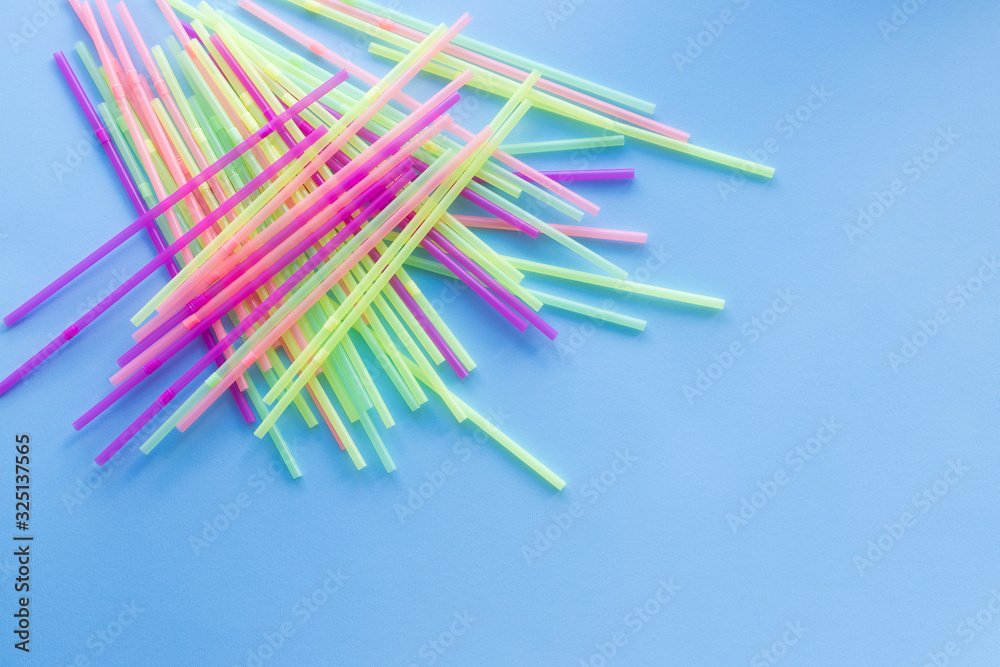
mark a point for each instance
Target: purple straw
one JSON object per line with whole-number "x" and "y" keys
{"x": 585, "y": 175}
{"x": 492, "y": 283}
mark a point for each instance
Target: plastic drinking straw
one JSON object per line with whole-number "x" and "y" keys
{"x": 358, "y": 247}
{"x": 135, "y": 92}
{"x": 569, "y": 230}
{"x": 273, "y": 257}
{"x": 396, "y": 33}
{"x": 462, "y": 274}
{"x": 428, "y": 327}
{"x": 135, "y": 197}
{"x": 375, "y": 281}
{"x": 293, "y": 309}
{"x": 550, "y": 103}
{"x": 512, "y": 162}
{"x": 276, "y": 437}
{"x": 167, "y": 396}
{"x": 166, "y": 203}
{"x": 164, "y": 91}
{"x": 593, "y": 312}
{"x": 115, "y": 72}
{"x": 172, "y": 294}
{"x": 445, "y": 345}
{"x": 472, "y": 158}
{"x": 586, "y": 174}
{"x": 513, "y": 59}
{"x": 143, "y": 273}
{"x": 491, "y": 430}
{"x": 492, "y": 283}
{"x": 620, "y": 285}
{"x": 555, "y": 145}
{"x": 142, "y": 95}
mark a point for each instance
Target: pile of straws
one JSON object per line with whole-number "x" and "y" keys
{"x": 284, "y": 203}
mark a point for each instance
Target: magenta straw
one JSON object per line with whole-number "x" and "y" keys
{"x": 159, "y": 260}
{"x": 585, "y": 175}
{"x": 462, "y": 274}
{"x": 377, "y": 195}
{"x": 140, "y": 206}
{"x": 260, "y": 311}
{"x": 179, "y": 194}
{"x": 491, "y": 282}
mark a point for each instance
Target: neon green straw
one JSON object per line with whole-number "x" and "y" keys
{"x": 495, "y": 433}
{"x": 588, "y": 143}
{"x": 620, "y": 285}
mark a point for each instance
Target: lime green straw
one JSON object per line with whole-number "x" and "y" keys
{"x": 620, "y": 285}
{"x": 588, "y": 143}
{"x": 494, "y": 433}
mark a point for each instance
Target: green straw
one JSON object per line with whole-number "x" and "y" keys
{"x": 588, "y": 143}
{"x": 620, "y": 285}
{"x": 496, "y": 434}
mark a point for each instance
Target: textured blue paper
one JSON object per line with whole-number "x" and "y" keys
{"x": 657, "y": 567}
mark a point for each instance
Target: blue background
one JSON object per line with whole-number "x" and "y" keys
{"x": 106, "y": 542}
